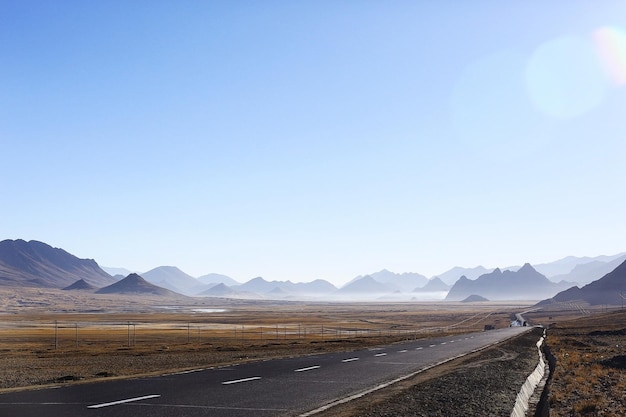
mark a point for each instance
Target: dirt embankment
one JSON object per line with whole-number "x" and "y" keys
{"x": 590, "y": 373}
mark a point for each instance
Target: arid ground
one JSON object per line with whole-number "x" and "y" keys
{"x": 55, "y": 337}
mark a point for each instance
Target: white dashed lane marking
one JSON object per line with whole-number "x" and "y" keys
{"x": 129, "y": 400}
{"x": 310, "y": 368}
{"x": 350, "y": 360}
{"x": 381, "y": 354}
{"x": 237, "y": 381}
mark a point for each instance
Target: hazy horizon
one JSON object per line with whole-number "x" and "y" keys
{"x": 346, "y": 280}
{"x": 297, "y": 141}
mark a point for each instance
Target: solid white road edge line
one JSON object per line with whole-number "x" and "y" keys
{"x": 123, "y": 401}
{"x": 310, "y": 368}
{"x": 236, "y": 381}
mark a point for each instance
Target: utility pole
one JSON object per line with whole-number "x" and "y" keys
{"x": 56, "y": 334}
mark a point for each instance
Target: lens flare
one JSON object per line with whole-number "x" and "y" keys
{"x": 610, "y": 44}
{"x": 565, "y": 78}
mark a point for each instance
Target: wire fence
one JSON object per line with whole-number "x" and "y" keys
{"x": 74, "y": 334}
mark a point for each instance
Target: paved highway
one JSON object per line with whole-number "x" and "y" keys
{"x": 280, "y": 387}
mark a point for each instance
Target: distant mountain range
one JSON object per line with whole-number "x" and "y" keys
{"x": 453, "y": 275}
{"x": 404, "y": 282}
{"x": 36, "y": 264}
{"x": 610, "y": 289}
{"x": 433, "y": 285}
{"x": 523, "y": 284}
{"x": 562, "y": 269}
{"x": 172, "y": 278}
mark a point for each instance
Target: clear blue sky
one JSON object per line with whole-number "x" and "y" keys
{"x": 323, "y": 139}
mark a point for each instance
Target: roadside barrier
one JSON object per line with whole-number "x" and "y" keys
{"x": 543, "y": 406}
{"x": 533, "y": 380}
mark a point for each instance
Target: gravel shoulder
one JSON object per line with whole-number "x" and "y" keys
{"x": 485, "y": 383}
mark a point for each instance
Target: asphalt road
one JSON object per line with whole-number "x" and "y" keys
{"x": 280, "y": 387}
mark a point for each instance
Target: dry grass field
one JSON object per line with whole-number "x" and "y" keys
{"x": 52, "y": 337}
{"x": 55, "y": 336}
{"x": 590, "y": 373}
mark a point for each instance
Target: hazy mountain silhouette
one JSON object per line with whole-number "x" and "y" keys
{"x": 524, "y": 284}
{"x": 610, "y": 289}
{"x": 80, "y": 285}
{"x": 474, "y": 299}
{"x": 365, "y": 285}
{"x": 451, "y": 276}
{"x": 219, "y": 290}
{"x": 433, "y": 285}
{"x": 217, "y": 279}
{"x": 404, "y": 282}
{"x": 561, "y": 269}
{"x": 258, "y": 285}
{"x": 586, "y": 273}
{"x": 117, "y": 271}
{"x": 36, "y": 264}
{"x": 135, "y": 284}
{"x": 172, "y": 277}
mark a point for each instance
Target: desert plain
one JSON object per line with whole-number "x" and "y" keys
{"x": 52, "y": 337}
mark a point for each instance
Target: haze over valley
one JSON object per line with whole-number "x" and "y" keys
{"x": 35, "y": 264}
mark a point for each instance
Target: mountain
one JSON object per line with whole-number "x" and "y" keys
{"x": 561, "y": 268}
{"x": 433, "y": 285}
{"x": 403, "y": 282}
{"x": 37, "y": 264}
{"x": 116, "y": 271}
{"x": 217, "y": 279}
{"x": 610, "y": 289}
{"x": 219, "y": 290}
{"x": 365, "y": 286}
{"x": 474, "y": 298}
{"x": 586, "y": 273}
{"x": 172, "y": 277}
{"x": 315, "y": 287}
{"x": 135, "y": 284}
{"x": 451, "y": 276}
{"x": 524, "y": 284}
{"x": 80, "y": 285}
{"x": 258, "y": 285}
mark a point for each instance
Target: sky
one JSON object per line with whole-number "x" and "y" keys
{"x": 304, "y": 140}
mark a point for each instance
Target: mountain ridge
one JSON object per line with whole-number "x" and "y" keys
{"x": 37, "y": 264}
